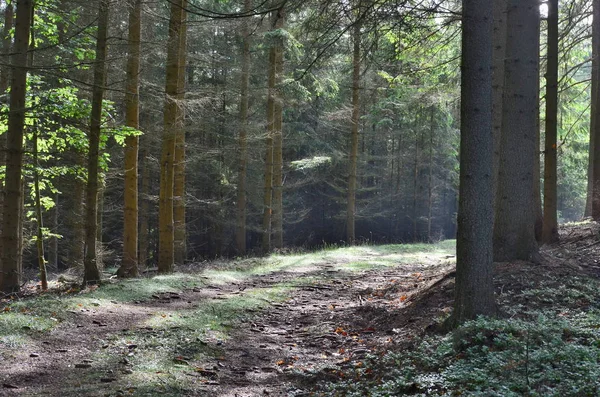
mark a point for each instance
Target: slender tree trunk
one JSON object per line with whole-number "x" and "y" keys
{"x": 596, "y": 125}
{"x": 91, "y": 271}
{"x": 144, "y": 208}
{"x": 268, "y": 183}
{"x": 353, "y": 154}
{"x": 278, "y": 140}
{"x": 415, "y": 213}
{"x": 594, "y": 105}
{"x": 53, "y": 249}
{"x": 179, "y": 181}
{"x": 36, "y": 179}
{"x": 240, "y": 233}
{"x": 4, "y": 82}
{"x": 129, "y": 267}
{"x": 430, "y": 179}
{"x": 166, "y": 241}
{"x": 76, "y": 218}
{"x": 10, "y": 272}
{"x": 550, "y": 224}
{"x": 38, "y": 214}
{"x": 474, "y": 290}
{"x": 514, "y": 229}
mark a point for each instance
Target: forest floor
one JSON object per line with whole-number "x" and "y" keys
{"x": 351, "y": 321}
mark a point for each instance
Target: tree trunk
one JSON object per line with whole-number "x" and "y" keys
{"x": 268, "y": 184}
{"x": 6, "y": 44}
{"x": 278, "y": 139}
{"x": 474, "y": 290}
{"x": 514, "y": 229}
{"x": 144, "y": 208}
{"x": 498, "y": 62}
{"x": 166, "y": 240}
{"x": 594, "y": 104}
{"x": 550, "y": 223}
{"x": 240, "y": 232}
{"x": 595, "y": 124}
{"x": 10, "y": 274}
{"x": 430, "y": 179}
{"x": 91, "y": 271}
{"x": 129, "y": 267}
{"x": 353, "y": 154}
{"x": 38, "y": 212}
{"x": 180, "y": 245}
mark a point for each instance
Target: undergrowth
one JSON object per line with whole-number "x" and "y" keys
{"x": 547, "y": 343}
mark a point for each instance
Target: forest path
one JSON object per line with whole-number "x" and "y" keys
{"x": 255, "y": 327}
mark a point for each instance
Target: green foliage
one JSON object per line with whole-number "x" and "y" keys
{"x": 548, "y": 346}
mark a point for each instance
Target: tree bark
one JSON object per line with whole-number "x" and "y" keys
{"x": 179, "y": 181}
{"x": 144, "y": 214}
{"x": 91, "y": 270}
{"x": 10, "y": 273}
{"x": 595, "y": 124}
{"x": 129, "y": 267}
{"x": 268, "y": 180}
{"x": 240, "y": 232}
{"x": 353, "y": 154}
{"x": 166, "y": 241}
{"x": 498, "y": 61}
{"x": 595, "y": 88}
{"x": 514, "y": 229}
{"x": 474, "y": 290}
{"x": 550, "y": 223}
{"x": 278, "y": 139}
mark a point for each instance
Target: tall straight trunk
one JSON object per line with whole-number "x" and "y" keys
{"x": 4, "y": 82}
{"x": 514, "y": 228}
{"x": 129, "y": 267}
{"x": 474, "y": 290}
{"x": 75, "y": 220}
{"x": 38, "y": 213}
{"x": 6, "y": 44}
{"x": 353, "y": 154}
{"x": 498, "y": 62}
{"x": 36, "y": 180}
{"x": 91, "y": 271}
{"x": 10, "y": 272}
{"x": 166, "y": 235}
{"x": 180, "y": 245}
{"x": 430, "y": 179}
{"x": 268, "y": 182}
{"x": 537, "y": 170}
{"x": 594, "y": 105}
{"x": 240, "y": 231}
{"x": 550, "y": 224}
{"x": 278, "y": 140}
{"x": 53, "y": 248}
{"x": 415, "y": 212}
{"x": 144, "y": 213}
{"x": 596, "y": 124}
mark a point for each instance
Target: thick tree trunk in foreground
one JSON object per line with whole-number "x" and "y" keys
{"x": 240, "y": 231}
{"x": 10, "y": 272}
{"x": 166, "y": 235}
{"x": 91, "y": 272}
{"x": 129, "y": 267}
{"x": 180, "y": 245}
{"x": 514, "y": 228}
{"x": 278, "y": 140}
{"x": 353, "y": 153}
{"x": 474, "y": 290}
{"x": 550, "y": 224}
{"x": 498, "y": 60}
